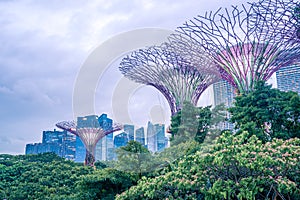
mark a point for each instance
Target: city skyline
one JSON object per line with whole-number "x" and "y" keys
{"x": 69, "y": 145}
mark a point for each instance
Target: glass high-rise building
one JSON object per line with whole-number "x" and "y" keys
{"x": 224, "y": 93}
{"x": 160, "y": 135}
{"x": 90, "y": 121}
{"x": 288, "y": 78}
{"x": 107, "y": 143}
{"x": 69, "y": 146}
{"x": 140, "y": 135}
{"x": 129, "y": 129}
{"x": 120, "y": 140}
{"x": 151, "y": 137}
{"x": 156, "y": 139}
{"x": 80, "y": 151}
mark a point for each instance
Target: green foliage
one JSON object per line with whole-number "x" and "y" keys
{"x": 239, "y": 167}
{"x": 194, "y": 123}
{"x": 103, "y": 184}
{"x": 100, "y": 165}
{"x": 267, "y": 113}
{"x": 134, "y": 158}
{"x": 44, "y": 176}
{"x": 169, "y": 158}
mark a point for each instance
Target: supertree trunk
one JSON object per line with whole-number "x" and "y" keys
{"x": 89, "y": 159}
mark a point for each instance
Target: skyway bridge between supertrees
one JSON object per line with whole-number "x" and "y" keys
{"x": 89, "y": 136}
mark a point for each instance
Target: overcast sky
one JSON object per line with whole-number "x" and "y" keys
{"x": 43, "y": 45}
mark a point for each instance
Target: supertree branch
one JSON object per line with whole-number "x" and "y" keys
{"x": 282, "y": 17}
{"x": 164, "y": 69}
{"x": 89, "y": 136}
{"x": 69, "y": 126}
{"x": 244, "y": 52}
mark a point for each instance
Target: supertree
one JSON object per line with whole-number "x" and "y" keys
{"x": 244, "y": 52}
{"x": 89, "y": 136}
{"x": 163, "y": 68}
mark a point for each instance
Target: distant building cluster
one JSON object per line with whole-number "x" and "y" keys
{"x": 69, "y": 146}
{"x": 60, "y": 142}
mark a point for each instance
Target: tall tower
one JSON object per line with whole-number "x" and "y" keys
{"x": 80, "y": 150}
{"x": 140, "y": 135}
{"x": 105, "y": 146}
{"x": 129, "y": 129}
{"x": 224, "y": 93}
{"x": 156, "y": 139}
{"x": 151, "y": 137}
{"x": 288, "y": 78}
{"x": 120, "y": 140}
{"x": 160, "y": 135}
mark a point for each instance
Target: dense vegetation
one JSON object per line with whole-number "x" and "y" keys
{"x": 236, "y": 168}
{"x": 260, "y": 159}
{"x": 47, "y": 176}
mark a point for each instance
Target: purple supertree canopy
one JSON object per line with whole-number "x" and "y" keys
{"x": 167, "y": 71}
{"x": 89, "y": 136}
{"x": 244, "y": 52}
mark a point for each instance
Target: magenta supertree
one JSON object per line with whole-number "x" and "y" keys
{"x": 89, "y": 136}
{"x": 244, "y": 52}
{"x": 163, "y": 68}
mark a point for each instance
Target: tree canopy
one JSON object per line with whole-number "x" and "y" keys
{"x": 268, "y": 113}
{"x": 194, "y": 123}
{"x": 239, "y": 167}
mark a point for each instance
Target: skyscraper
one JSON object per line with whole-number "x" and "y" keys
{"x": 120, "y": 140}
{"x": 80, "y": 151}
{"x": 160, "y": 135}
{"x": 140, "y": 135}
{"x": 156, "y": 139}
{"x": 107, "y": 143}
{"x": 151, "y": 137}
{"x": 224, "y": 93}
{"x": 288, "y": 78}
{"x": 129, "y": 129}
{"x": 88, "y": 121}
{"x": 69, "y": 146}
